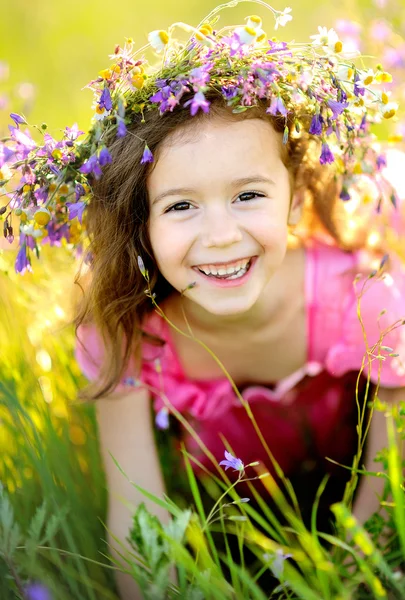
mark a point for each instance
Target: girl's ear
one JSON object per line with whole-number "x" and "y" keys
{"x": 296, "y": 207}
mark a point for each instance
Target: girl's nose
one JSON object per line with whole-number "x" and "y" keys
{"x": 220, "y": 230}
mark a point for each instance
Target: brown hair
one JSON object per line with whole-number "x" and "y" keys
{"x": 117, "y": 223}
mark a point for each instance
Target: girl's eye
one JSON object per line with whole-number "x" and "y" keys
{"x": 175, "y": 207}
{"x": 246, "y": 196}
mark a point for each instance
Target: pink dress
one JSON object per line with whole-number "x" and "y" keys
{"x": 312, "y": 413}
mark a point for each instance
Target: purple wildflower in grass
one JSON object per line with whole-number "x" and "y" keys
{"x": 199, "y": 101}
{"x": 231, "y": 461}
{"x": 22, "y": 262}
{"x": 147, "y": 156}
{"x": 162, "y": 419}
{"x": 104, "y": 158}
{"x": 105, "y": 99}
{"x": 337, "y": 107}
{"x": 316, "y": 124}
{"x": 277, "y": 562}
{"x": 18, "y": 119}
{"x": 37, "y": 591}
{"x": 277, "y": 106}
{"x": 76, "y": 210}
{"x": 326, "y": 155}
{"x": 121, "y": 129}
{"x": 91, "y": 166}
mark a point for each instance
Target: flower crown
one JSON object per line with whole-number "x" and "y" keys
{"x": 313, "y": 86}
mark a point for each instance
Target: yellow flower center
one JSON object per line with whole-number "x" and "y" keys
{"x": 338, "y": 46}
{"x": 63, "y": 189}
{"x": 99, "y": 110}
{"x": 164, "y": 37}
{"x": 56, "y": 153}
{"x": 383, "y": 77}
{"x": 384, "y": 98}
{"x": 105, "y": 73}
{"x": 137, "y": 81}
{"x": 368, "y": 80}
{"x": 388, "y": 114}
{"x": 26, "y": 188}
{"x": 42, "y": 217}
{"x": 250, "y": 31}
{"x": 261, "y": 37}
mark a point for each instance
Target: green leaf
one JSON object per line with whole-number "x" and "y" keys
{"x": 37, "y": 523}
{"x": 176, "y": 528}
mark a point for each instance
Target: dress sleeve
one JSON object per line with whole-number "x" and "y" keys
{"x": 381, "y": 323}
{"x": 89, "y": 354}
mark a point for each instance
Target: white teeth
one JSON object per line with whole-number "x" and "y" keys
{"x": 213, "y": 270}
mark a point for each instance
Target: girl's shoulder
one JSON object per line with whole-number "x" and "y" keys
{"x": 357, "y": 310}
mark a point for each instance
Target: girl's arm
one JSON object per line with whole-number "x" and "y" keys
{"x": 125, "y": 431}
{"x": 370, "y": 488}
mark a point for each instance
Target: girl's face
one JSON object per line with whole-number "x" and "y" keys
{"x": 219, "y": 202}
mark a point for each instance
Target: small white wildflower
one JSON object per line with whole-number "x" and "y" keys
{"x": 283, "y": 17}
{"x": 158, "y": 39}
{"x": 328, "y": 39}
{"x": 254, "y": 22}
{"x": 29, "y": 230}
{"x": 250, "y": 35}
{"x": 389, "y": 109}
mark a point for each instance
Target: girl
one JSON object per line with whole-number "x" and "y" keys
{"x": 217, "y": 190}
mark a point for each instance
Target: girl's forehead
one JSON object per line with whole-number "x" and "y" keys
{"x": 217, "y": 140}
{"x": 218, "y": 154}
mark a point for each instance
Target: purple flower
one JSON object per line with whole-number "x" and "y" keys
{"x": 22, "y": 262}
{"x": 121, "y": 129}
{"x": 92, "y": 166}
{"x": 326, "y": 154}
{"x": 277, "y": 106}
{"x": 337, "y": 107}
{"x": 381, "y": 161}
{"x": 5, "y": 154}
{"x": 231, "y": 461}
{"x": 316, "y": 124}
{"x": 76, "y": 210}
{"x": 147, "y": 155}
{"x": 105, "y": 99}
{"x": 198, "y": 102}
{"x": 277, "y": 47}
{"x": 162, "y": 419}
{"x": 277, "y": 562}
{"x": 37, "y": 591}
{"x": 18, "y": 120}
{"x": 104, "y": 157}
{"x": 199, "y": 75}
{"x": 72, "y": 133}
{"x": 344, "y": 194}
{"x": 79, "y": 191}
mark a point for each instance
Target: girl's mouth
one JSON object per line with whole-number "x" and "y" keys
{"x": 229, "y": 279}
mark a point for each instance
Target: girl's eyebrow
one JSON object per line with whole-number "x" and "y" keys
{"x": 235, "y": 183}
